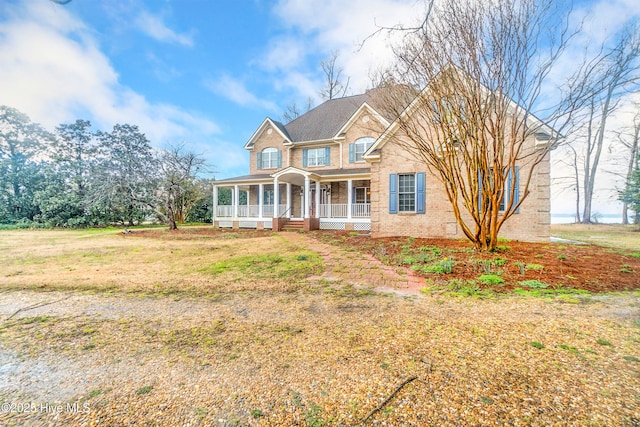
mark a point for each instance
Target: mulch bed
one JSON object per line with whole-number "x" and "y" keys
{"x": 589, "y": 267}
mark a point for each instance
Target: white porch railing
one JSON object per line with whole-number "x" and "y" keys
{"x": 358, "y": 210}
{"x": 361, "y": 210}
{"x": 249, "y": 211}
{"x": 333, "y": 211}
{"x": 224, "y": 211}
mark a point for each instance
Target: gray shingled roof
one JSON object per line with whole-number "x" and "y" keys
{"x": 244, "y": 178}
{"x": 324, "y": 121}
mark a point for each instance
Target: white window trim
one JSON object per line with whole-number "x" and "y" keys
{"x": 414, "y": 192}
{"x": 316, "y": 157}
{"x": 367, "y": 197}
{"x": 365, "y": 142}
{"x": 269, "y": 158}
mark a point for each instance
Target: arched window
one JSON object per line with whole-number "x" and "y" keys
{"x": 359, "y": 147}
{"x": 269, "y": 158}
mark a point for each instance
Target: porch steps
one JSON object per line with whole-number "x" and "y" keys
{"x": 294, "y": 226}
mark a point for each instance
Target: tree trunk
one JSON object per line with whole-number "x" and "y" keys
{"x": 172, "y": 223}
{"x": 633, "y": 158}
{"x": 590, "y": 172}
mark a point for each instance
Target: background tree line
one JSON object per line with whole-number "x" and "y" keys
{"x": 74, "y": 177}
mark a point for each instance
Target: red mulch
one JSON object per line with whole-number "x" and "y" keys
{"x": 589, "y": 267}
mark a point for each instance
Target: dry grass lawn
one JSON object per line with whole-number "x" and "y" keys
{"x": 613, "y": 235}
{"x": 225, "y": 329}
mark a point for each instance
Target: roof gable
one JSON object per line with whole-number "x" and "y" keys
{"x": 279, "y": 127}
{"x": 542, "y": 130}
{"x": 364, "y": 107}
{"x": 324, "y": 121}
{"x": 329, "y": 119}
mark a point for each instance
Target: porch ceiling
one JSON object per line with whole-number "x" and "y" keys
{"x": 292, "y": 178}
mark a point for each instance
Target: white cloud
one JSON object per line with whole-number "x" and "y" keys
{"x": 320, "y": 27}
{"x": 154, "y": 27}
{"x": 283, "y": 53}
{"x": 234, "y": 90}
{"x": 331, "y": 26}
{"x": 58, "y": 73}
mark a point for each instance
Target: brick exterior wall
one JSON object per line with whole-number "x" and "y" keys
{"x": 530, "y": 224}
{"x": 270, "y": 137}
{"x": 364, "y": 125}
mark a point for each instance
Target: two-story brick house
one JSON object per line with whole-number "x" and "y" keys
{"x": 335, "y": 168}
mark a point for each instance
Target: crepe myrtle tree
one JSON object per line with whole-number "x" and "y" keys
{"x": 464, "y": 89}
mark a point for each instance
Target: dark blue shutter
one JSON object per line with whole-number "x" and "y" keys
{"x": 516, "y": 185}
{"x": 352, "y": 152}
{"x": 304, "y": 158}
{"x": 279, "y": 158}
{"x": 327, "y": 156}
{"x": 393, "y": 193}
{"x": 420, "y": 193}
{"x": 259, "y": 160}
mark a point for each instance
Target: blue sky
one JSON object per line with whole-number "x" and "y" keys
{"x": 201, "y": 72}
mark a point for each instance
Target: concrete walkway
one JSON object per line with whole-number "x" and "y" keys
{"x": 358, "y": 269}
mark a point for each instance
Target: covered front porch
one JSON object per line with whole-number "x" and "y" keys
{"x": 314, "y": 200}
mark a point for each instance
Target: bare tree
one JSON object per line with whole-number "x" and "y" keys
{"x": 615, "y": 75}
{"x": 629, "y": 138}
{"x": 293, "y": 111}
{"x": 568, "y": 159}
{"x": 178, "y": 190}
{"x": 334, "y": 86}
{"x": 478, "y": 72}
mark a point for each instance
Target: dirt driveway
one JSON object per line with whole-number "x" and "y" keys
{"x": 323, "y": 352}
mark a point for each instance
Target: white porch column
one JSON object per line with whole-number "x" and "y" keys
{"x": 214, "y": 208}
{"x": 306, "y": 196}
{"x": 349, "y": 197}
{"x": 276, "y": 197}
{"x": 317, "y": 199}
{"x": 260, "y": 200}
{"x": 236, "y": 200}
{"x": 288, "y": 200}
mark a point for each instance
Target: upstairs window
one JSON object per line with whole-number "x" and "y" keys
{"x": 448, "y": 110}
{"x": 358, "y": 148}
{"x": 316, "y": 157}
{"x": 512, "y": 183}
{"x": 270, "y": 158}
